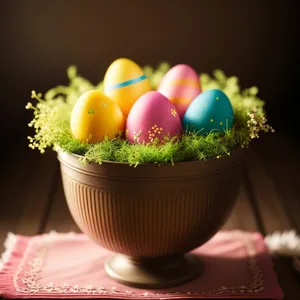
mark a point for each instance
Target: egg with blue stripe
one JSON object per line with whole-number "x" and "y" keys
{"x": 211, "y": 111}
{"x": 124, "y": 82}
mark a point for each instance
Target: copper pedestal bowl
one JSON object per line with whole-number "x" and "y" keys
{"x": 151, "y": 216}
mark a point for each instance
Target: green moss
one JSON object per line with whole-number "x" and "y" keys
{"x": 51, "y": 123}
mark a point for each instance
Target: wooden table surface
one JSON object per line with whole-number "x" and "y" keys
{"x": 32, "y": 198}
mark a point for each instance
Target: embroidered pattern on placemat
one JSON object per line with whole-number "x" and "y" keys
{"x": 31, "y": 279}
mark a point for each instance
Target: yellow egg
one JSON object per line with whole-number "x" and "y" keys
{"x": 95, "y": 116}
{"x": 125, "y": 82}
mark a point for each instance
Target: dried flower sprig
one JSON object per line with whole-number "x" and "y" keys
{"x": 257, "y": 123}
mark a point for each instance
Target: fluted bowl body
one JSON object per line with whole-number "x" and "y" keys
{"x": 151, "y": 210}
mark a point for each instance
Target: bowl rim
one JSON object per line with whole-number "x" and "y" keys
{"x": 233, "y": 152}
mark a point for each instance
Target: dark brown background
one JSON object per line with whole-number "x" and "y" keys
{"x": 255, "y": 40}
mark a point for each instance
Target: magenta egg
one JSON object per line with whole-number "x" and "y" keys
{"x": 181, "y": 84}
{"x": 152, "y": 117}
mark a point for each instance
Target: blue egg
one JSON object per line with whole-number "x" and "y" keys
{"x": 211, "y": 111}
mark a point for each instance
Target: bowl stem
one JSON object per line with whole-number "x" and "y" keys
{"x": 153, "y": 273}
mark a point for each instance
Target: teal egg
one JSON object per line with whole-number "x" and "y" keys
{"x": 209, "y": 111}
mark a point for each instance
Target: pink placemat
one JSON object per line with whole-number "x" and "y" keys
{"x": 58, "y": 265}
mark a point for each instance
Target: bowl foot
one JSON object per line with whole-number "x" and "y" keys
{"x": 153, "y": 273}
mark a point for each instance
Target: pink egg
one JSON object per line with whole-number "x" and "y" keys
{"x": 181, "y": 84}
{"x": 152, "y": 117}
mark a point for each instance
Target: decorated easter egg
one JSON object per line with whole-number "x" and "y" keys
{"x": 152, "y": 117}
{"x": 95, "y": 116}
{"x": 209, "y": 111}
{"x": 180, "y": 85}
{"x": 125, "y": 82}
